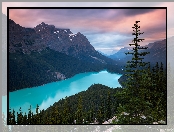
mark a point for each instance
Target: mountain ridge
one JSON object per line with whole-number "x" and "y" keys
{"x": 46, "y": 54}
{"x": 61, "y": 40}
{"x": 157, "y": 51}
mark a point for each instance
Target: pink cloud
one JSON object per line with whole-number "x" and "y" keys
{"x": 95, "y": 22}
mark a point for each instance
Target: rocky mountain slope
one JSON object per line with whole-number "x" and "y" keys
{"x": 61, "y": 40}
{"x": 45, "y": 54}
{"x": 157, "y": 53}
{"x": 43, "y": 67}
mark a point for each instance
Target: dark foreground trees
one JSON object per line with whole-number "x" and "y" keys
{"x": 144, "y": 93}
{"x": 95, "y": 105}
{"x": 142, "y": 100}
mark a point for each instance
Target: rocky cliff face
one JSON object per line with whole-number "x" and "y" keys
{"x": 23, "y": 39}
{"x": 45, "y": 54}
{"x": 62, "y": 40}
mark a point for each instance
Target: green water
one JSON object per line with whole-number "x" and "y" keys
{"x": 48, "y": 94}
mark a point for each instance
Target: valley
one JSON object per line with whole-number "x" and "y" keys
{"x": 55, "y": 91}
{"x": 38, "y": 55}
{"x": 157, "y": 53}
{"x": 45, "y": 55}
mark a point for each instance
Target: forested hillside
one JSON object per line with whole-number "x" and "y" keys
{"x": 45, "y": 54}
{"x": 141, "y": 100}
{"x": 157, "y": 51}
{"x": 95, "y": 105}
{"x": 43, "y": 67}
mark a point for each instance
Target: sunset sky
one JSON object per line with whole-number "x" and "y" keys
{"x": 106, "y": 29}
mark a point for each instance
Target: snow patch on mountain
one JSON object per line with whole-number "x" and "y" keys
{"x": 72, "y": 35}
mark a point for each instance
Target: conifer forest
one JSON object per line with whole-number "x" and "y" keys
{"x": 142, "y": 99}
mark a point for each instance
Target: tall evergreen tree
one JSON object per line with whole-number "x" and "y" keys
{"x": 144, "y": 94}
{"x": 100, "y": 114}
{"x": 159, "y": 93}
{"x": 135, "y": 91}
{"x": 108, "y": 106}
{"x": 79, "y": 112}
{"x": 66, "y": 114}
{"x": 136, "y": 67}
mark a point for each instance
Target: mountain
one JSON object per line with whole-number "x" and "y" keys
{"x": 120, "y": 54}
{"x": 157, "y": 53}
{"x": 45, "y": 54}
{"x": 103, "y": 53}
{"x": 61, "y": 40}
{"x": 37, "y": 68}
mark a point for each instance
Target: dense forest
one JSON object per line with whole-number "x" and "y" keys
{"x": 98, "y": 101}
{"x": 40, "y": 68}
{"x": 37, "y": 68}
{"x": 141, "y": 100}
{"x": 46, "y": 54}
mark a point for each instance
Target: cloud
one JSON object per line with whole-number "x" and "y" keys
{"x": 102, "y": 19}
{"x": 130, "y": 12}
{"x": 104, "y": 28}
{"x": 107, "y": 42}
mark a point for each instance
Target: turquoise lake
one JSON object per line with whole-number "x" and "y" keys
{"x": 50, "y": 93}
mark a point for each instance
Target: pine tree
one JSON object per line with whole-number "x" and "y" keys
{"x": 56, "y": 114}
{"x": 100, "y": 112}
{"x": 136, "y": 67}
{"x": 65, "y": 111}
{"x": 19, "y": 117}
{"x": 79, "y": 112}
{"x": 135, "y": 91}
{"x": 108, "y": 106}
{"x": 29, "y": 116}
{"x": 159, "y": 93}
{"x": 91, "y": 112}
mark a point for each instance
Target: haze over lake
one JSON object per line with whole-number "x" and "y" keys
{"x": 48, "y": 94}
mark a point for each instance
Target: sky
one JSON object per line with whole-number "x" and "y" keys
{"x": 107, "y": 30}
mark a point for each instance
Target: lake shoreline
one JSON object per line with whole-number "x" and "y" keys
{"x": 63, "y": 80}
{"x": 50, "y": 93}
